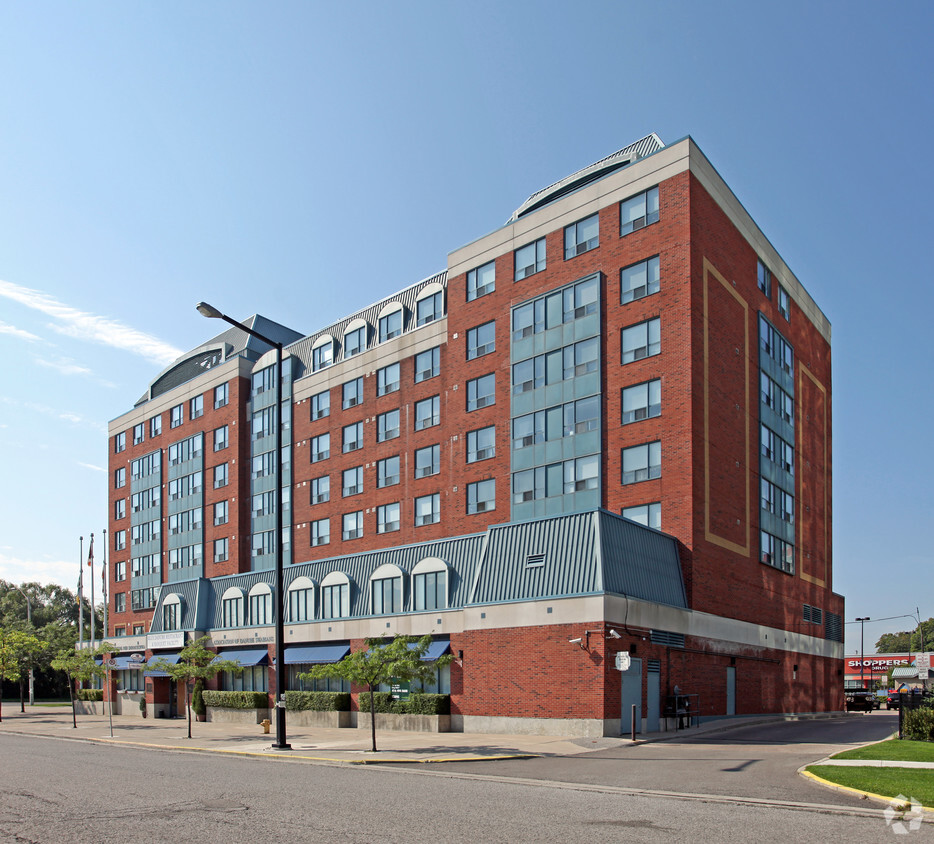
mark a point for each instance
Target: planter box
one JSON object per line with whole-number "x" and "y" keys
{"x": 314, "y": 718}
{"x": 408, "y": 723}
{"x": 224, "y": 715}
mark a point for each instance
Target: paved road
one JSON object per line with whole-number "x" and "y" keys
{"x": 62, "y": 791}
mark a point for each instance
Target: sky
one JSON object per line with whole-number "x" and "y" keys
{"x": 305, "y": 159}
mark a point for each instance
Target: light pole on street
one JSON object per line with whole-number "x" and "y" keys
{"x": 32, "y": 677}
{"x": 862, "y": 622}
{"x": 280, "y": 743}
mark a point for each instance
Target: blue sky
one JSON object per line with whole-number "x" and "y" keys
{"x": 303, "y": 159}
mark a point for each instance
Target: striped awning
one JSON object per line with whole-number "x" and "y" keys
{"x": 246, "y": 658}
{"x": 315, "y": 654}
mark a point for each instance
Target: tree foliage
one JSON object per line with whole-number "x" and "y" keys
{"x": 18, "y": 651}
{"x": 384, "y": 661}
{"x": 908, "y": 640}
{"x": 81, "y": 666}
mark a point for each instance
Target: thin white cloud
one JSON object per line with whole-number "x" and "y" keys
{"x": 18, "y": 570}
{"x": 91, "y": 327}
{"x": 66, "y": 366}
{"x": 91, "y": 466}
{"x": 13, "y": 331}
{"x": 65, "y": 415}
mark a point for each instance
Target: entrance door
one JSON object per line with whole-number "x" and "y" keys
{"x": 731, "y": 690}
{"x": 653, "y": 695}
{"x": 631, "y": 682}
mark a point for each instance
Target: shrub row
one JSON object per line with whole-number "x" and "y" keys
{"x": 318, "y": 701}
{"x": 918, "y": 724}
{"x": 90, "y": 694}
{"x": 236, "y": 700}
{"x": 418, "y": 704}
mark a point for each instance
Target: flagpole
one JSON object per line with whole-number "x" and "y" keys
{"x": 91, "y": 564}
{"x": 81, "y": 592}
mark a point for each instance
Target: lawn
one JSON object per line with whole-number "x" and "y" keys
{"x": 893, "y": 750}
{"x": 916, "y": 783}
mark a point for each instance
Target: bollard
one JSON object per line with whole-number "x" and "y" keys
{"x": 633, "y": 722}
{"x": 266, "y": 724}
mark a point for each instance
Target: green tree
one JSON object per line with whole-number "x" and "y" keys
{"x": 80, "y": 666}
{"x": 18, "y": 649}
{"x": 27, "y": 648}
{"x": 919, "y": 640}
{"x": 195, "y": 662}
{"x": 383, "y": 661}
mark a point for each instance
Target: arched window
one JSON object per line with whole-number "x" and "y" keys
{"x": 260, "y": 605}
{"x": 430, "y": 584}
{"x": 355, "y": 338}
{"x": 322, "y": 353}
{"x": 391, "y": 321}
{"x": 429, "y": 306}
{"x": 335, "y": 595}
{"x": 386, "y": 590}
{"x": 232, "y": 608}
{"x": 172, "y": 610}
{"x": 301, "y": 600}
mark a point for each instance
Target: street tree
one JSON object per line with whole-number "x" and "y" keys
{"x": 919, "y": 640}
{"x": 9, "y": 664}
{"x": 384, "y": 661}
{"x": 195, "y": 663}
{"x": 81, "y": 666}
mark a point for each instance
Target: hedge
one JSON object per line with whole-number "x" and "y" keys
{"x": 318, "y": 701}
{"x": 236, "y": 700}
{"x": 90, "y": 694}
{"x": 918, "y": 724}
{"x": 418, "y": 704}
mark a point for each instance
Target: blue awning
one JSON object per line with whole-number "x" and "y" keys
{"x": 123, "y": 663}
{"x": 439, "y": 647}
{"x": 315, "y": 654}
{"x": 170, "y": 657}
{"x": 247, "y": 658}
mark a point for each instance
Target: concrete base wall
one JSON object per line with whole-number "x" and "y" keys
{"x": 313, "y": 718}
{"x": 582, "y": 727}
{"x": 223, "y": 715}
{"x": 409, "y": 723}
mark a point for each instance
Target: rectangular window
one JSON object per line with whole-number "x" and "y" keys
{"x": 530, "y": 259}
{"x": 649, "y": 515}
{"x": 581, "y": 474}
{"x": 481, "y": 496}
{"x": 176, "y": 416}
{"x": 580, "y": 416}
{"x": 388, "y": 517}
{"x": 220, "y": 476}
{"x": 387, "y": 426}
{"x": 581, "y": 236}
{"x": 335, "y": 601}
{"x": 775, "y": 449}
{"x": 784, "y": 303}
{"x": 481, "y": 444}
{"x": 430, "y": 591}
{"x": 196, "y": 407}
{"x": 428, "y": 509}
{"x": 322, "y": 356}
{"x": 528, "y": 430}
{"x": 353, "y": 393}
{"x": 220, "y": 550}
{"x": 320, "y": 447}
{"x": 639, "y": 211}
{"x": 387, "y": 471}
{"x": 220, "y": 438}
{"x": 387, "y": 379}
{"x": 481, "y": 340}
{"x": 390, "y": 326}
{"x": 320, "y": 405}
{"x": 775, "y": 346}
{"x": 263, "y": 380}
{"x": 321, "y": 490}
{"x": 776, "y": 552}
{"x": 120, "y": 571}
{"x": 642, "y": 462}
{"x": 353, "y": 481}
{"x": 187, "y": 449}
{"x": 120, "y": 508}
{"x": 578, "y": 300}
{"x": 640, "y": 280}
{"x": 387, "y": 595}
{"x": 427, "y": 413}
{"x": 301, "y": 608}
{"x": 427, "y": 461}
{"x": 481, "y": 281}
{"x": 321, "y": 532}
{"x": 120, "y": 477}
{"x": 764, "y": 278}
{"x": 581, "y": 358}
{"x": 642, "y": 340}
{"x": 427, "y": 364}
{"x": 528, "y": 375}
{"x": 353, "y": 437}
{"x": 155, "y": 426}
{"x": 120, "y": 602}
{"x": 232, "y": 609}
{"x": 119, "y": 540}
{"x": 643, "y": 401}
{"x": 221, "y": 396}
{"x": 352, "y": 525}
{"x": 528, "y": 319}
{"x": 481, "y": 392}
{"x": 528, "y": 485}
{"x": 220, "y": 513}
{"x": 120, "y": 442}
{"x": 138, "y": 433}
{"x": 354, "y": 342}
{"x": 264, "y": 543}
{"x": 429, "y": 308}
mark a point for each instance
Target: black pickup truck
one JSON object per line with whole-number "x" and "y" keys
{"x": 861, "y": 700}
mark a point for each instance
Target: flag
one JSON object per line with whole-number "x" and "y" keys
{"x": 80, "y": 584}
{"x": 91, "y": 552}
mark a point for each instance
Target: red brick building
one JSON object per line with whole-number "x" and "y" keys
{"x": 455, "y": 457}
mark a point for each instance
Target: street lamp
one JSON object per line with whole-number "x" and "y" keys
{"x": 862, "y": 622}
{"x": 211, "y": 312}
{"x": 32, "y": 678}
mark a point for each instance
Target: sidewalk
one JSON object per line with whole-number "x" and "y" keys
{"x": 313, "y": 744}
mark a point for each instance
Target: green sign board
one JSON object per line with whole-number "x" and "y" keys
{"x": 399, "y": 691}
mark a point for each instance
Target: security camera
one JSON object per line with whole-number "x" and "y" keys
{"x": 614, "y": 634}
{"x": 576, "y": 641}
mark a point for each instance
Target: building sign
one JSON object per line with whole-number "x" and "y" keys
{"x": 174, "y": 639}
{"x": 623, "y": 661}
{"x": 877, "y": 663}
{"x": 923, "y": 662}
{"x": 225, "y": 641}
{"x": 399, "y": 691}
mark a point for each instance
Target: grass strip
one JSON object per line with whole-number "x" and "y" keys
{"x": 893, "y": 750}
{"x": 912, "y": 782}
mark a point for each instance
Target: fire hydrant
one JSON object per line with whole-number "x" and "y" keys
{"x": 266, "y": 724}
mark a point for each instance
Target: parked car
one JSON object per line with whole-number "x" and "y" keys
{"x": 860, "y": 700}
